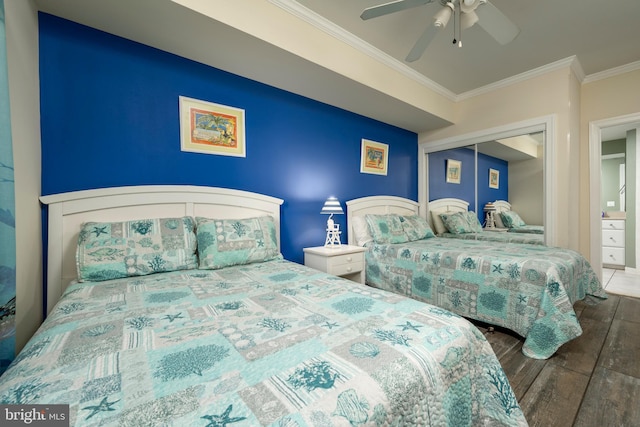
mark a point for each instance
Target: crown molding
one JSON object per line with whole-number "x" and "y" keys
{"x": 612, "y": 72}
{"x": 357, "y": 43}
{"x": 571, "y": 62}
{"x": 576, "y": 67}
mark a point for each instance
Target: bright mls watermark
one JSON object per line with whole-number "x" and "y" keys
{"x": 34, "y": 415}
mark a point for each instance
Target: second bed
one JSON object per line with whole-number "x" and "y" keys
{"x": 529, "y": 289}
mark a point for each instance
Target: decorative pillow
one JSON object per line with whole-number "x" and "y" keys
{"x": 461, "y": 222}
{"x": 226, "y": 242}
{"x": 438, "y": 225}
{"x": 361, "y": 232}
{"x": 416, "y": 227}
{"x": 386, "y": 228}
{"x": 112, "y": 250}
{"x": 510, "y": 219}
{"x": 498, "y": 220}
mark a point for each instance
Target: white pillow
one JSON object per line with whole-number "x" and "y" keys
{"x": 361, "y": 232}
{"x": 498, "y": 220}
{"x": 438, "y": 225}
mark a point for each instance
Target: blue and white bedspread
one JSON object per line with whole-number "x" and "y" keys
{"x": 528, "y": 229}
{"x": 266, "y": 344}
{"x": 497, "y": 236}
{"x": 529, "y": 289}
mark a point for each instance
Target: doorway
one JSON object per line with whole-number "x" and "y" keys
{"x": 596, "y": 131}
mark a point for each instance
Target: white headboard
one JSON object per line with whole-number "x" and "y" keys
{"x": 502, "y": 205}
{"x": 378, "y": 205}
{"x": 68, "y": 211}
{"x": 444, "y": 205}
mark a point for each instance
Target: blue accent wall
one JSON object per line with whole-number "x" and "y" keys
{"x": 439, "y": 187}
{"x": 109, "y": 117}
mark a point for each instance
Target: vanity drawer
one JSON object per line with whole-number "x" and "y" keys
{"x": 613, "y": 238}
{"x": 613, "y": 256}
{"x": 613, "y": 224}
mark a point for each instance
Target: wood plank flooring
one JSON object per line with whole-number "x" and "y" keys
{"x": 592, "y": 381}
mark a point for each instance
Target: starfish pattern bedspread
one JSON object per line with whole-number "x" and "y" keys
{"x": 529, "y": 289}
{"x": 265, "y": 344}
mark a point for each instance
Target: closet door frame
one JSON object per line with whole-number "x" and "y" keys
{"x": 545, "y": 124}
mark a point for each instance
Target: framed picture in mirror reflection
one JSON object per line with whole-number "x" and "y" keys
{"x": 454, "y": 170}
{"x": 494, "y": 178}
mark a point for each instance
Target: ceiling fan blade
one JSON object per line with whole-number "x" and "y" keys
{"x": 422, "y": 43}
{"x": 391, "y": 7}
{"x": 496, "y": 23}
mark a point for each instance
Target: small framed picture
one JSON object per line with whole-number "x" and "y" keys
{"x": 211, "y": 128}
{"x": 494, "y": 178}
{"x": 454, "y": 170}
{"x": 374, "y": 157}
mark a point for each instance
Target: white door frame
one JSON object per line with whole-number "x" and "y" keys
{"x": 595, "y": 168}
{"x": 546, "y": 124}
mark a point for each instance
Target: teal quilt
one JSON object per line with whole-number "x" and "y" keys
{"x": 498, "y": 236}
{"x": 528, "y": 229}
{"x": 529, "y": 289}
{"x": 264, "y": 344}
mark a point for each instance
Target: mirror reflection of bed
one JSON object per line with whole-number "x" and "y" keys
{"x": 498, "y": 225}
{"x": 509, "y": 170}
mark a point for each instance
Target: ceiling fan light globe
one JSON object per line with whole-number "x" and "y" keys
{"x": 467, "y": 6}
{"x": 467, "y": 20}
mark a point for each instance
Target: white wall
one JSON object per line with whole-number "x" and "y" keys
{"x": 24, "y": 88}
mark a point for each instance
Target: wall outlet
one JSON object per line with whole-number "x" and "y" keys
{"x": 610, "y": 204}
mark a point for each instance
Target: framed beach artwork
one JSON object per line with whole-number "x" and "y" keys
{"x": 454, "y": 170}
{"x": 374, "y": 157}
{"x": 211, "y": 128}
{"x": 494, "y": 178}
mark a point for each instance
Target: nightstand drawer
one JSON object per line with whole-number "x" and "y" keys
{"x": 345, "y": 260}
{"x": 613, "y": 256}
{"x": 345, "y": 268}
{"x": 613, "y": 238}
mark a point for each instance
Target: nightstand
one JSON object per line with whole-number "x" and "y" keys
{"x": 345, "y": 260}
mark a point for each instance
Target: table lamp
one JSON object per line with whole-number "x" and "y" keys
{"x": 331, "y": 207}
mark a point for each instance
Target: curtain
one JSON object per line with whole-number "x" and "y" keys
{"x": 7, "y": 214}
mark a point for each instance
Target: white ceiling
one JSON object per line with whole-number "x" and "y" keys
{"x": 601, "y": 34}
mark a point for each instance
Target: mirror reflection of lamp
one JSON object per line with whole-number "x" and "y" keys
{"x": 332, "y": 206}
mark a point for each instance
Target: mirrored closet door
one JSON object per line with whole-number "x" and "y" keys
{"x": 509, "y": 169}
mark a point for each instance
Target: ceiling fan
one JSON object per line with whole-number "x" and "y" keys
{"x": 466, "y": 13}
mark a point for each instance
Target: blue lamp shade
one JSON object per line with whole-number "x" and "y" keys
{"x": 332, "y": 206}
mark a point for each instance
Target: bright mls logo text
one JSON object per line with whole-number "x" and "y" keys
{"x": 36, "y": 414}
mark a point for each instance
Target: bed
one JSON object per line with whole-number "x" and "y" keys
{"x": 497, "y": 234}
{"x": 511, "y": 220}
{"x": 529, "y": 289}
{"x": 234, "y": 342}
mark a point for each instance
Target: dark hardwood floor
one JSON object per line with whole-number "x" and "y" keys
{"x": 593, "y": 380}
